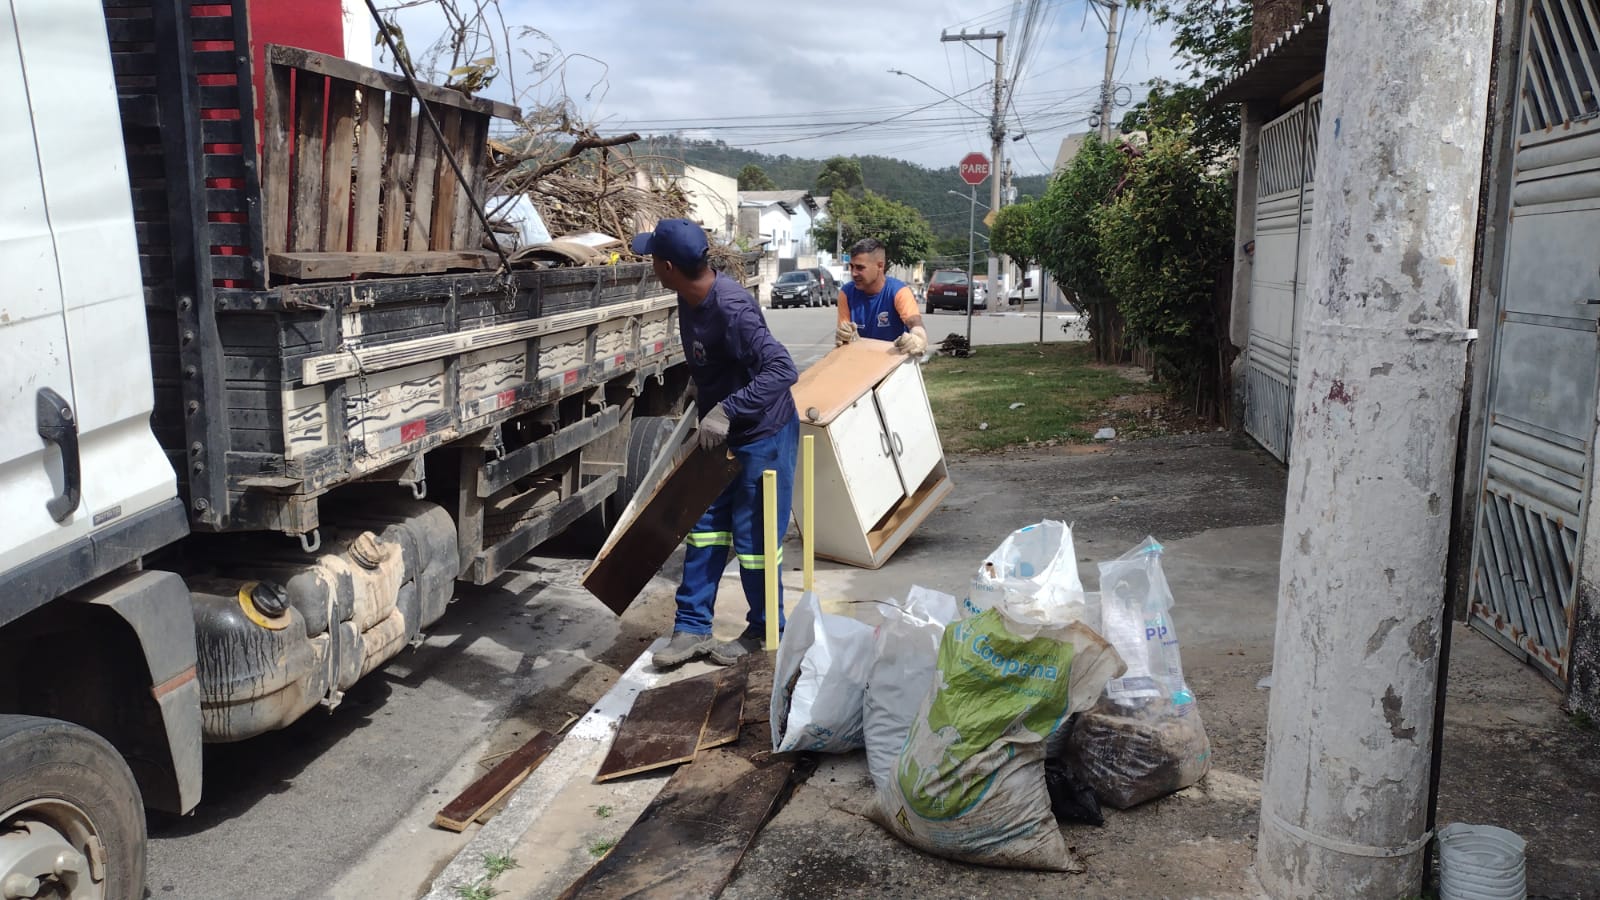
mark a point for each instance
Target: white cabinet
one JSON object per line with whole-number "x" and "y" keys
{"x": 879, "y": 467}
{"x": 908, "y": 423}
{"x": 865, "y": 462}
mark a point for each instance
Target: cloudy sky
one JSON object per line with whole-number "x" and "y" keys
{"x": 811, "y": 78}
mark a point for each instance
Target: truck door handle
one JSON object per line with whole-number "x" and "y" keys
{"x": 899, "y": 445}
{"x": 58, "y": 426}
{"x": 884, "y": 440}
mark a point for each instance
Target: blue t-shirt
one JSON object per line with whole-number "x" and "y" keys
{"x": 874, "y": 314}
{"x": 734, "y": 360}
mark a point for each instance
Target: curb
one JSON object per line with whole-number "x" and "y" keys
{"x": 530, "y": 800}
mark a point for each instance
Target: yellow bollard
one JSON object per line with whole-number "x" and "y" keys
{"x": 808, "y": 516}
{"x": 769, "y": 558}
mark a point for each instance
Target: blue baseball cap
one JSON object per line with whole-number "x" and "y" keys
{"x": 678, "y": 241}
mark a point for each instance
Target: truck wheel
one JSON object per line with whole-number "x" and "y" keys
{"x": 67, "y": 797}
{"x": 648, "y": 441}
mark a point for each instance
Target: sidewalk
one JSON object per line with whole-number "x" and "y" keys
{"x": 1511, "y": 757}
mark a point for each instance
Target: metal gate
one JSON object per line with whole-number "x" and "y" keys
{"x": 1277, "y": 281}
{"x": 1542, "y": 387}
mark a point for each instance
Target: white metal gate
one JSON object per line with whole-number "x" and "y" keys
{"x": 1278, "y": 272}
{"x": 1542, "y": 388}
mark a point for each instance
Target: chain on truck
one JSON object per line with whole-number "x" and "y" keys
{"x": 263, "y": 404}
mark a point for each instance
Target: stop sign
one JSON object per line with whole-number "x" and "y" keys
{"x": 974, "y": 168}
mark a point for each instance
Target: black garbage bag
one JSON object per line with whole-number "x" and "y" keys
{"x": 1072, "y": 799}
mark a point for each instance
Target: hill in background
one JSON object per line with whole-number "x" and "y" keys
{"x": 922, "y": 188}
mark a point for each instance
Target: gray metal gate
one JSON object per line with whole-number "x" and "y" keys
{"x": 1277, "y": 283}
{"x": 1542, "y": 387}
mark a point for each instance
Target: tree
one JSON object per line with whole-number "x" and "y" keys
{"x": 1068, "y": 245}
{"x": 754, "y": 178}
{"x": 1163, "y": 249}
{"x": 906, "y": 236}
{"x": 839, "y": 175}
{"x": 1212, "y": 37}
{"x": 1014, "y": 234}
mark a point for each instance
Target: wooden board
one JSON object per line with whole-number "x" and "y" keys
{"x": 340, "y": 157}
{"x": 337, "y": 67}
{"x": 500, "y": 780}
{"x": 652, "y": 528}
{"x": 690, "y": 839}
{"x": 663, "y": 729}
{"x": 838, "y": 379}
{"x": 313, "y": 266}
{"x": 305, "y": 208}
{"x": 275, "y": 178}
{"x": 727, "y": 709}
{"x": 369, "y": 172}
{"x": 397, "y": 163}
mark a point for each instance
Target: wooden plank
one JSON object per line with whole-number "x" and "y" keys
{"x": 369, "y": 172}
{"x": 840, "y": 378}
{"x": 397, "y": 164}
{"x": 446, "y": 187}
{"x": 499, "y": 781}
{"x": 305, "y": 207}
{"x": 690, "y": 839}
{"x": 341, "y": 153}
{"x": 427, "y": 167}
{"x": 468, "y": 231}
{"x": 649, "y": 530}
{"x": 727, "y": 709}
{"x": 313, "y": 266}
{"x": 335, "y": 67}
{"x": 662, "y": 729}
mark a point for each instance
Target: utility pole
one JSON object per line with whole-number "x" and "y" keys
{"x": 1361, "y": 597}
{"x": 972, "y": 224}
{"x": 997, "y": 132}
{"x": 1108, "y": 87}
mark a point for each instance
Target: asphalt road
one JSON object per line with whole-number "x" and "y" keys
{"x": 339, "y": 803}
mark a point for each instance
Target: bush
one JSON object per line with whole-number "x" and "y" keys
{"x": 1164, "y": 246}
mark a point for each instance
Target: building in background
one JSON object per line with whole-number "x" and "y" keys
{"x": 783, "y": 218}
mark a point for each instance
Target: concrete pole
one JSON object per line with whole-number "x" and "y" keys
{"x": 1350, "y": 724}
{"x": 997, "y": 141}
{"x": 1108, "y": 87}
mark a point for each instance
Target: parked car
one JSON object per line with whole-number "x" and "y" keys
{"x": 797, "y": 288}
{"x": 948, "y": 290}
{"x": 830, "y": 285}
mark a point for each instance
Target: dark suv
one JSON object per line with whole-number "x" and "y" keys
{"x": 948, "y": 290}
{"x": 830, "y": 285}
{"x": 797, "y": 288}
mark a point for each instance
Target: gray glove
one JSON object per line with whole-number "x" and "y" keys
{"x": 714, "y": 428}
{"x": 844, "y": 334}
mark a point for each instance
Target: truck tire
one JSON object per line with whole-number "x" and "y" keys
{"x": 648, "y": 441}
{"x": 63, "y": 787}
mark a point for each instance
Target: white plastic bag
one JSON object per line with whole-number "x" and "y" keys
{"x": 905, "y": 655}
{"x": 1136, "y": 617}
{"x": 819, "y": 681}
{"x": 1145, "y": 739}
{"x": 1034, "y": 575}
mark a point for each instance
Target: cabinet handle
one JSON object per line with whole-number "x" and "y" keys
{"x": 58, "y": 426}
{"x": 899, "y": 445}
{"x": 884, "y": 440}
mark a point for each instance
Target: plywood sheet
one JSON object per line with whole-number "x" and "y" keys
{"x": 835, "y": 381}
{"x": 663, "y": 728}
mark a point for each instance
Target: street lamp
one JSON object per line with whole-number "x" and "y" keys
{"x": 974, "y": 199}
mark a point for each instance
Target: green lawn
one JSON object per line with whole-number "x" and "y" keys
{"x": 1067, "y": 397}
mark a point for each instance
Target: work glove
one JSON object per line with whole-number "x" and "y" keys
{"x": 714, "y": 428}
{"x": 844, "y": 334}
{"x": 911, "y": 344}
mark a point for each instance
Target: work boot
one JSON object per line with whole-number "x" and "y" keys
{"x": 681, "y": 648}
{"x": 729, "y": 652}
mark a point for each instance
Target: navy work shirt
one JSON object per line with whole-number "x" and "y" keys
{"x": 734, "y": 360}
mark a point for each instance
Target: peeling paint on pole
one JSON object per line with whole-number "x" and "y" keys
{"x": 1368, "y": 519}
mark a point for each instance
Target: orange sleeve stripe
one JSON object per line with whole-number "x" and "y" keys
{"x": 844, "y": 308}
{"x": 905, "y": 304}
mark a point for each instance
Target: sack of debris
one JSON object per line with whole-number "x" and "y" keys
{"x": 906, "y": 651}
{"x": 819, "y": 681}
{"x": 1034, "y": 574}
{"x": 1145, "y": 738}
{"x": 969, "y": 784}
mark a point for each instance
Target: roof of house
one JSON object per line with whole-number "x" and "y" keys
{"x": 791, "y": 200}
{"x": 1298, "y": 55}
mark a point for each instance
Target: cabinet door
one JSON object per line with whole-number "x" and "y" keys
{"x": 865, "y": 461}
{"x": 912, "y": 435}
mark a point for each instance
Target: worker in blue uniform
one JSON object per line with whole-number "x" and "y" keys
{"x": 742, "y": 377}
{"x": 876, "y": 306}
